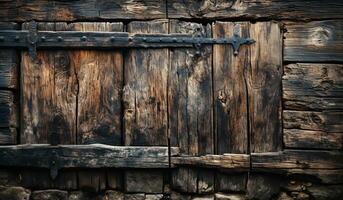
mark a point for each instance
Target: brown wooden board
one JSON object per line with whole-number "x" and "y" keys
{"x": 72, "y": 94}
{"x": 190, "y": 107}
{"x": 318, "y": 41}
{"x": 48, "y": 94}
{"x": 264, "y": 87}
{"x": 326, "y": 121}
{"x": 99, "y": 85}
{"x": 145, "y": 90}
{"x": 298, "y": 159}
{"x": 251, "y": 9}
{"x": 81, "y": 10}
{"x": 313, "y": 87}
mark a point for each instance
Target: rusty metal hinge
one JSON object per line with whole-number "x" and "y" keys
{"x": 78, "y": 39}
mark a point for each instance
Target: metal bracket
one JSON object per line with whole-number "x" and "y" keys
{"x": 54, "y": 164}
{"x": 78, "y": 39}
{"x": 32, "y": 39}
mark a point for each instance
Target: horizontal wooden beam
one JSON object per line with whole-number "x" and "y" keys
{"x": 226, "y": 161}
{"x": 252, "y": 9}
{"x": 297, "y": 159}
{"x": 317, "y": 41}
{"x": 85, "y": 156}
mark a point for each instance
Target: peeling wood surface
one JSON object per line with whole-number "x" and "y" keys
{"x": 313, "y": 86}
{"x": 145, "y": 90}
{"x": 86, "y": 10}
{"x": 252, "y": 9}
{"x": 318, "y": 41}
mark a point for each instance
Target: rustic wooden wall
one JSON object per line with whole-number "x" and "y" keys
{"x": 278, "y": 105}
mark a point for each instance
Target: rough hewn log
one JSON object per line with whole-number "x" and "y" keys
{"x": 330, "y": 122}
{"x": 81, "y": 10}
{"x": 313, "y": 86}
{"x": 307, "y": 139}
{"x": 227, "y": 161}
{"x": 88, "y": 156}
{"x": 317, "y": 41}
{"x": 252, "y": 9}
{"x": 298, "y": 159}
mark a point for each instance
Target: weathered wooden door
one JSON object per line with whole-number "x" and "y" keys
{"x": 202, "y": 101}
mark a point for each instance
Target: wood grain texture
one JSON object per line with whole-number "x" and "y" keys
{"x": 226, "y": 161}
{"x": 230, "y": 90}
{"x": 99, "y": 83}
{"x": 307, "y": 139}
{"x": 8, "y": 109}
{"x": 313, "y": 87}
{"x": 330, "y": 122}
{"x": 8, "y": 61}
{"x": 264, "y": 87}
{"x": 81, "y": 10}
{"x": 48, "y": 93}
{"x": 190, "y": 107}
{"x": 145, "y": 90}
{"x": 85, "y": 156}
{"x": 8, "y": 135}
{"x": 318, "y": 41}
{"x": 230, "y": 96}
{"x": 298, "y": 159}
{"x": 252, "y": 9}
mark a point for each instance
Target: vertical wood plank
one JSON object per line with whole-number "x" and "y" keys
{"x": 264, "y": 88}
{"x": 230, "y": 93}
{"x": 100, "y": 81}
{"x": 190, "y": 106}
{"x": 48, "y": 94}
{"x": 230, "y": 99}
{"x": 145, "y": 90}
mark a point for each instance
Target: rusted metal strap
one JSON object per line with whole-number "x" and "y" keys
{"x": 33, "y": 39}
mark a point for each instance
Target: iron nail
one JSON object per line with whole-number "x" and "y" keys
{"x": 16, "y": 38}
{"x": 113, "y": 39}
{"x": 84, "y": 38}
{"x": 130, "y": 39}
{"x": 59, "y": 38}
{"x": 43, "y": 38}
{"x": 2, "y": 38}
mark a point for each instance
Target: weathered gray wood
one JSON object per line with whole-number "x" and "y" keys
{"x": 325, "y": 176}
{"x": 146, "y": 181}
{"x": 89, "y": 156}
{"x": 313, "y": 86}
{"x": 49, "y": 94}
{"x": 307, "y": 139}
{"x": 99, "y": 81}
{"x": 317, "y": 41}
{"x": 92, "y": 180}
{"x": 326, "y": 192}
{"x": 330, "y": 121}
{"x": 145, "y": 90}
{"x": 190, "y": 109}
{"x": 298, "y": 159}
{"x": 227, "y": 161}
{"x": 81, "y": 10}
{"x": 8, "y": 135}
{"x": 8, "y": 109}
{"x": 251, "y": 9}
{"x": 264, "y": 87}
{"x": 231, "y": 181}
{"x": 8, "y": 61}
